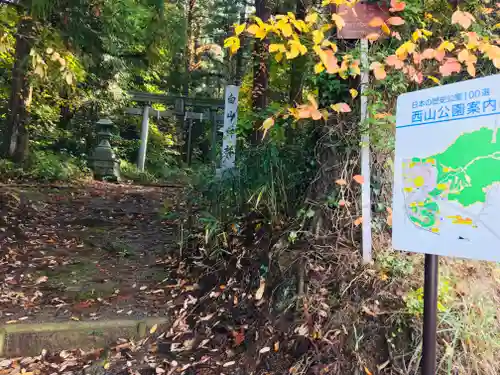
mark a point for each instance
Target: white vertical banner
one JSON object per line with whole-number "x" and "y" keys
{"x": 229, "y": 129}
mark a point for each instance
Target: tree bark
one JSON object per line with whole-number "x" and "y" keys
{"x": 17, "y": 135}
{"x": 261, "y": 66}
{"x": 189, "y": 45}
{"x": 239, "y": 55}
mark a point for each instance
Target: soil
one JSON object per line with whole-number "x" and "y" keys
{"x": 73, "y": 253}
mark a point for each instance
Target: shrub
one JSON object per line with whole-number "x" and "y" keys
{"x": 49, "y": 166}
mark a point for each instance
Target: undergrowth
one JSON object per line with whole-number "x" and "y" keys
{"x": 45, "y": 166}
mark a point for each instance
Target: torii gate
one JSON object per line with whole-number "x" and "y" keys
{"x": 179, "y": 104}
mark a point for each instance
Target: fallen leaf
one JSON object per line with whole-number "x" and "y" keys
{"x": 153, "y": 329}
{"x": 239, "y": 337}
{"x": 5, "y": 363}
{"x": 383, "y": 365}
{"x": 341, "y": 182}
{"x": 367, "y": 311}
{"x": 358, "y": 221}
{"x": 359, "y": 179}
{"x": 260, "y": 292}
{"x": 207, "y": 317}
{"x": 41, "y": 279}
{"x": 353, "y": 93}
{"x": 75, "y": 318}
{"x": 264, "y": 350}
{"x": 276, "y": 346}
{"x": 367, "y": 371}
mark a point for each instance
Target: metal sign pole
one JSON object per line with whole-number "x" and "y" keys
{"x": 430, "y": 314}
{"x": 365, "y": 158}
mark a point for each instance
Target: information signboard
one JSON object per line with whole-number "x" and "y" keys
{"x": 447, "y": 170}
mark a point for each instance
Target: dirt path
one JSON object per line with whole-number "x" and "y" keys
{"x": 103, "y": 251}
{"x": 85, "y": 253}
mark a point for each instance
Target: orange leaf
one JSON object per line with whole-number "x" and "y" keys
{"x": 372, "y": 37}
{"x": 471, "y": 69}
{"x": 341, "y": 107}
{"x": 367, "y": 371}
{"x": 428, "y": 54}
{"x": 378, "y": 70}
{"x": 359, "y": 179}
{"x": 330, "y": 62}
{"x": 341, "y": 182}
{"x": 464, "y": 19}
{"x": 449, "y": 67}
{"x": 316, "y": 114}
{"x": 397, "y": 6}
{"x": 395, "y": 21}
{"x": 439, "y": 55}
{"x": 239, "y": 337}
{"x": 393, "y": 60}
{"x": 417, "y": 58}
{"x": 358, "y": 221}
{"x": 376, "y": 22}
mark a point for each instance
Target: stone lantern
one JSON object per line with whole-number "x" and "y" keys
{"x": 103, "y": 160}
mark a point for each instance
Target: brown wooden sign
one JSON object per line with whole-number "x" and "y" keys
{"x": 357, "y": 19}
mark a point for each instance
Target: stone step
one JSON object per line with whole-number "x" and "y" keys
{"x": 20, "y": 340}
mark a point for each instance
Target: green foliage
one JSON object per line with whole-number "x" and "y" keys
{"x": 130, "y": 172}
{"x": 45, "y": 166}
{"x": 396, "y": 264}
{"x": 269, "y": 180}
{"x": 415, "y": 299}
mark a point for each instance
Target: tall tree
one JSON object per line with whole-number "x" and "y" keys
{"x": 15, "y": 143}
{"x": 298, "y": 64}
{"x": 261, "y": 65}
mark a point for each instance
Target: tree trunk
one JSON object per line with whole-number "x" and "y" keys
{"x": 189, "y": 45}
{"x": 298, "y": 64}
{"x": 17, "y": 136}
{"x": 239, "y": 56}
{"x": 261, "y": 67}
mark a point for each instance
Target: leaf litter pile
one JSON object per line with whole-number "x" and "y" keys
{"x": 103, "y": 251}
